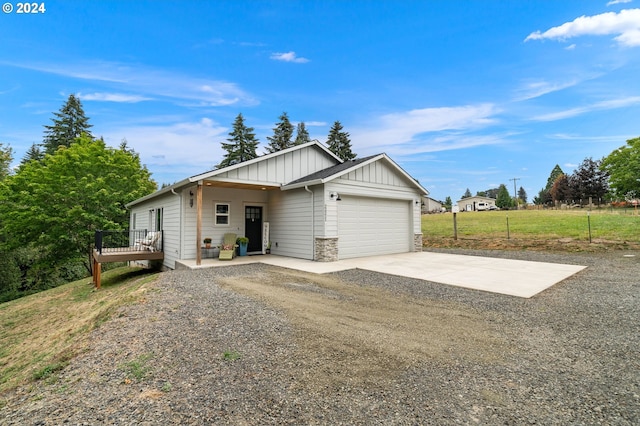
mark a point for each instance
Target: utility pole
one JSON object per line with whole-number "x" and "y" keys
{"x": 515, "y": 191}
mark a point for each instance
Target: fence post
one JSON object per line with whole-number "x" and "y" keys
{"x": 508, "y": 233}
{"x": 589, "y": 224}
{"x": 455, "y": 226}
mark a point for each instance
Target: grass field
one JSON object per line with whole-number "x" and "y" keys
{"x": 607, "y": 227}
{"x": 40, "y": 333}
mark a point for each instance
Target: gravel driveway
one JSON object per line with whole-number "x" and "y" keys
{"x": 257, "y": 344}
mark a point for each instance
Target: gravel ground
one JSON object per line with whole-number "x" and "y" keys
{"x": 255, "y": 344}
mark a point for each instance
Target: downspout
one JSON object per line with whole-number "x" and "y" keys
{"x": 313, "y": 223}
{"x": 179, "y": 251}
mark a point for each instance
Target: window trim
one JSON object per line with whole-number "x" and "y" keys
{"x": 216, "y": 215}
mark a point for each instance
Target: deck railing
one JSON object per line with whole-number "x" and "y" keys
{"x": 126, "y": 241}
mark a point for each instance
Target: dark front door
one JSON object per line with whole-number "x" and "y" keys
{"x": 253, "y": 227}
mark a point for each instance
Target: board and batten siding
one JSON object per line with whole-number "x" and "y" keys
{"x": 290, "y": 219}
{"x": 282, "y": 169}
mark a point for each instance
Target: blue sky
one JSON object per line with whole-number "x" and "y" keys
{"x": 462, "y": 94}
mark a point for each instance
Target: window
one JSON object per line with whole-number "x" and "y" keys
{"x": 158, "y": 224}
{"x": 222, "y": 214}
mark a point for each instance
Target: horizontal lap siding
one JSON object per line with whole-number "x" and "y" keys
{"x": 290, "y": 223}
{"x": 236, "y": 198}
{"x": 170, "y": 224}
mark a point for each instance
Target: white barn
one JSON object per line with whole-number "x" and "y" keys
{"x": 302, "y": 202}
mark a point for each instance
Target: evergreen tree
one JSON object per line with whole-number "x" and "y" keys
{"x": 69, "y": 123}
{"x": 282, "y": 134}
{"x": 466, "y": 194}
{"x": 339, "y": 142}
{"x": 448, "y": 203}
{"x": 544, "y": 196}
{"x": 557, "y": 171}
{"x": 6, "y": 157}
{"x": 33, "y": 154}
{"x": 242, "y": 144}
{"x": 503, "y": 200}
{"x": 522, "y": 195}
{"x": 302, "y": 135}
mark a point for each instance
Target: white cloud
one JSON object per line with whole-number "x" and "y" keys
{"x": 535, "y": 89}
{"x": 625, "y": 23}
{"x": 112, "y": 97}
{"x": 288, "y": 57}
{"x": 178, "y": 149}
{"x": 570, "y": 47}
{"x": 404, "y": 131}
{"x": 598, "y": 106}
{"x": 151, "y": 82}
{"x": 613, "y": 2}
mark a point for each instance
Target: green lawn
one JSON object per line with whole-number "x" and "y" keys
{"x": 616, "y": 225}
{"x": 41, "y": 332}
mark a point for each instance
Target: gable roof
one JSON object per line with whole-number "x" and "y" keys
{"x": 334, "y": 172}
{"x": 213, "y": 173}
{"x": 261, "y": 158}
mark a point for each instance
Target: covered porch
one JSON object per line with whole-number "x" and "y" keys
{"x": 250, "y": 221}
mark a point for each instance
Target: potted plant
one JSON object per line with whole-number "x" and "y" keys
{"x": 207, "y": 242}
{"x": 268, "y": 251}
{"x": 242, "y": 242}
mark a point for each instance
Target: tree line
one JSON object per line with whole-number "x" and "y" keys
{"x": 614, "y": 178}
{"x": 242, "y": 143}
{"x": 72, "y": 184}
{"x": 64, "y": 189}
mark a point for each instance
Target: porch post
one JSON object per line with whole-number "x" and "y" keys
{"x": 198, "y": 223}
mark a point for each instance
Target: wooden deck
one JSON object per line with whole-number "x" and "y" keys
{"x": 125, "y": 254}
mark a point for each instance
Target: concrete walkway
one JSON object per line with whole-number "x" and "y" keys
{"x": 512, "y": 277}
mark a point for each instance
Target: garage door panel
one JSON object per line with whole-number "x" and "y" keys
{"x": 371, "y": 226}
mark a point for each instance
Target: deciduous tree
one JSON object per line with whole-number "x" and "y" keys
{"x": 623, "y": 167}
{"x": 561, "y": 189}
{"x": 56, "y": 204}
{"x": 589, "y": 180}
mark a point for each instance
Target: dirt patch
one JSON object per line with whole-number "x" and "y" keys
{"x": 360, "y": 336}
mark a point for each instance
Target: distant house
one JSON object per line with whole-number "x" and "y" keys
{"x": 429, "y": 205}
{"x": 301, "y": 202}
{"x": 476, "y": 203}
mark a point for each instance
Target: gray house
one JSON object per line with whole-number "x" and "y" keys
{"x": 301, "y": 202}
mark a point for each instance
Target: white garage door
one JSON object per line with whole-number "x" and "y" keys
{"x": 372, "y": 226}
